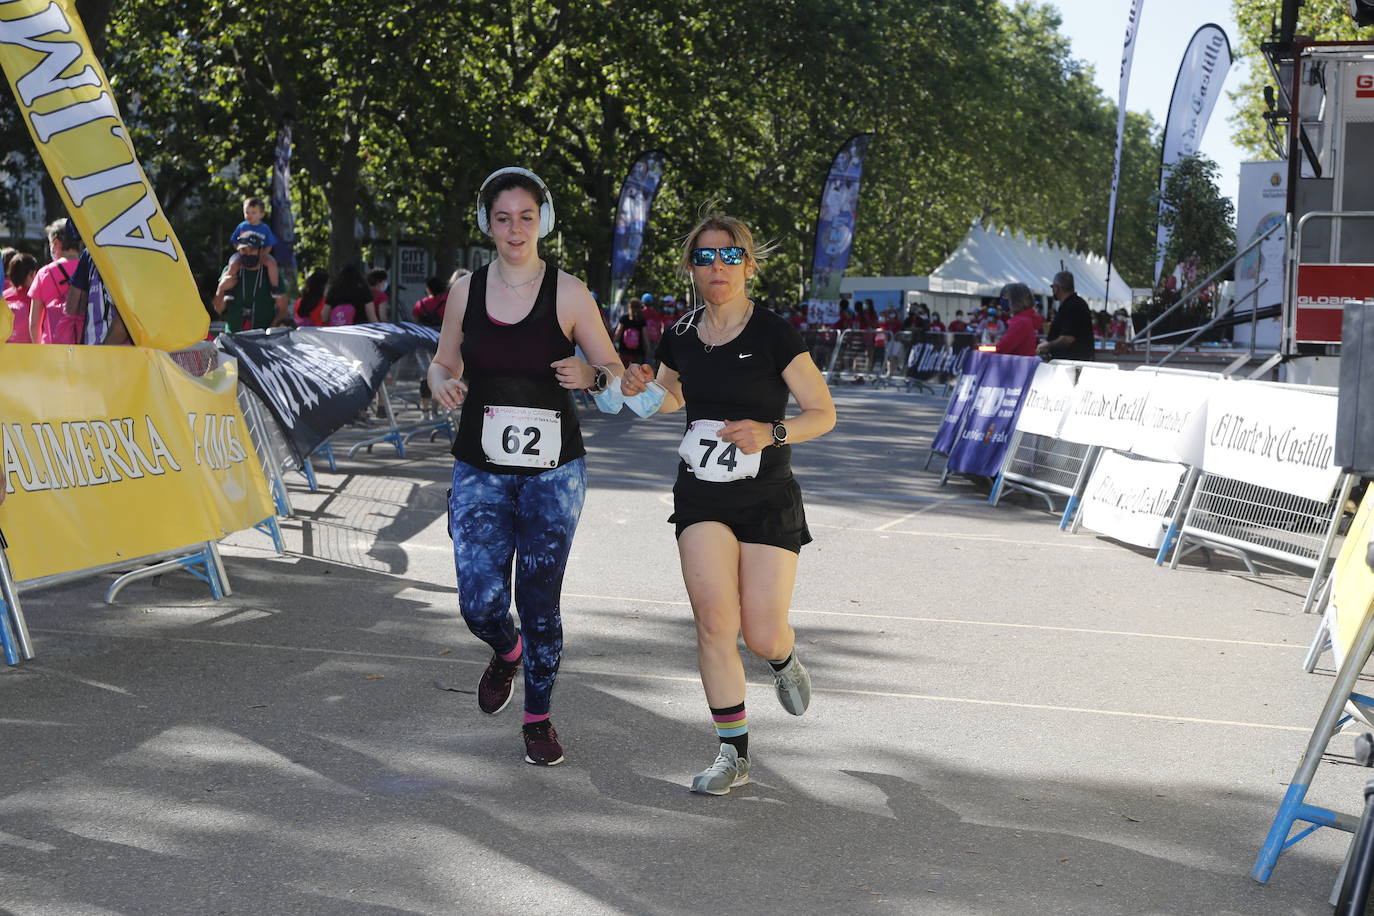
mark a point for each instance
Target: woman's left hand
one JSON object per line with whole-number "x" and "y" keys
{"x": 749, "y": 436}
{"x": 636, "y": 378}
{"x": 574, "y": 373}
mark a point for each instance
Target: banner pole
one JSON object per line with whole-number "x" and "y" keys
{"x": 1293, "y": 807}
{"x": 10, "y": 592}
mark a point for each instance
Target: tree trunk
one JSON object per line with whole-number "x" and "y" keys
{"x": 342, "y": 193}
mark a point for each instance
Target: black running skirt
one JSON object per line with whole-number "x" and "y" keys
{"x": 757, "y": 511}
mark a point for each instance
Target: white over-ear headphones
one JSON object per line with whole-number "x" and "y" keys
{"x": 545, "y": 209}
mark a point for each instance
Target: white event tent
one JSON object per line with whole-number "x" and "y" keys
{"x": 988, "y": 259}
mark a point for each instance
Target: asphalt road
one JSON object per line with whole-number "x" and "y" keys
{"x": 1006, "y": 719}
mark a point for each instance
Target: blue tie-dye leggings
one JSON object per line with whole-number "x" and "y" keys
{"x": 499, "y": 518}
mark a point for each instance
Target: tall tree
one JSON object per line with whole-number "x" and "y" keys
{"x": 1200, "y": 218}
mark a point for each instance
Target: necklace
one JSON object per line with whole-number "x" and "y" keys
{"x": 500, "y": 275}
{"x": 722, "y": 334}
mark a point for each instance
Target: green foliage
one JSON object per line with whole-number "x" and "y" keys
{"x": 1201, "y": 221}
{"x": 400, "y": 109}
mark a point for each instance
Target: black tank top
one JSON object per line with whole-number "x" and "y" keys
{"x": 507, "y": 365}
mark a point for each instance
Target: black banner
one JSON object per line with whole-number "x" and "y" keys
{"x": 939, "y": 355}
{"x": 314, "y": 380}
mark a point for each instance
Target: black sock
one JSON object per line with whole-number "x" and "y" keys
{"x": 732, "y": 727}
{"x": 778, "y": 666}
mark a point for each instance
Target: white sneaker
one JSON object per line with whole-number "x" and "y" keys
{"x": 729, "y": 770}
{"x": 794, "y": 687}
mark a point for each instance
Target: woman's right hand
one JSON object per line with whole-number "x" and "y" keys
{"x": 450, "y": 392}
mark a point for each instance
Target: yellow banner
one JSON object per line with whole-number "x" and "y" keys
{"x": 71, "y": 115}
{"x": 1353, "y": 588}
{"x": 113, "y": 453}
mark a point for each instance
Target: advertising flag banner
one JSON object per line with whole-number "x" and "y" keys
{"x": 1107, "y": 407}
{"x": 1175, "y": 417}
{"x": 835, "y": 226}
{"x": 631, "y": 214}
{"x": 70, "y": 112}
{"x": 283, "y": 222}
{"x": 983, "y": 441}
{"x": 1047, "y": 402}
{"x": 315, "y": 380}
{"x": 1354, "y": 581}
{"x": 97, "y": 473}
{"x": 1129, "y": 498}
{"x": 1274, "y": 437}
{"x": 959, "y": 402}
{"x": 1127, "y": 56}
{"x": 1196, "y": 89}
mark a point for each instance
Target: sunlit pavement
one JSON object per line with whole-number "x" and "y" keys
{"x": 1006, "y": 718}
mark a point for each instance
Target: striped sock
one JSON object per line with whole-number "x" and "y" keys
{"x": 513, "y": 654}
{"x": 732, "y": 727}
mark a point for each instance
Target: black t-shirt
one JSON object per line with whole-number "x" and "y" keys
{"x": 1075, "y": 319}
{"x": 739, "y": 380}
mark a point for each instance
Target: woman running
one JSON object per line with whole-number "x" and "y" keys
{"x": 505, "y": 355}
{"x": 737, "y": 508}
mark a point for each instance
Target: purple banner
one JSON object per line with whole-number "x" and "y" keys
{"x": 991, "y": 414}
{"x": 636, "y": 197}
{"x": 283, "y": 223}
{"x": 835, "y": 229}
{"x": 959, "y": 402}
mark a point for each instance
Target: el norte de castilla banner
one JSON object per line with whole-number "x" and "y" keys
{"x": 69, "y": 110}
{"x": 99, "y": 471}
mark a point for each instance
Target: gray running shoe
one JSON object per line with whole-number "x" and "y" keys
{"x": 794, "y": 687}
{"x": 729, "y": 770}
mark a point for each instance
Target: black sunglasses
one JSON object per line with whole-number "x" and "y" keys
{"x": 705, "y": 257}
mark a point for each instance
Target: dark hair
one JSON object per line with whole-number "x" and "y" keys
{"x": 375, "y": 275}
{"x": 313, "y": 291}
{"x": 22, "y": 267}
{"x": 348, "y": 287}
{"x": 437, "y": 286}
{"x": 505, "y": 183}
{"x": 254, "y": 202}
{"x": 7, "y": 254}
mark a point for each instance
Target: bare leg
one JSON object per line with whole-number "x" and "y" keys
{"x": 710, "y": 558}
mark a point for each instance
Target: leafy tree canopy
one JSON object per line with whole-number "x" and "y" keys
{"x": 399, "y": 109}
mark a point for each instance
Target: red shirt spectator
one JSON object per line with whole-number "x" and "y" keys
{"x": 1020, "y": 338}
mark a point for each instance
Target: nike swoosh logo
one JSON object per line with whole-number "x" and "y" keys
{"x": 745, "y": 355}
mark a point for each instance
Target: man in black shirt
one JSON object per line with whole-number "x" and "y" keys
{"x": 1071, "y": 332}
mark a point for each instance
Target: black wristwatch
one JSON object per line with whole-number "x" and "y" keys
{"x": 779, "y": 433}
{"x": 599, "y": 381}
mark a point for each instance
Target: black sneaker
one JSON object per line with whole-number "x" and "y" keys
{"x": 541, "y": 744}
{"x": 497, "y": 684}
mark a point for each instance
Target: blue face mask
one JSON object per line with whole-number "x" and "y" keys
{"x": 648, "y": 401}
{"x": 611, "y": 399}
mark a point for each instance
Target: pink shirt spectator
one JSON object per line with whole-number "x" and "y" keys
{"x": 18, "y": 301}
{"x": 49, "y": 290}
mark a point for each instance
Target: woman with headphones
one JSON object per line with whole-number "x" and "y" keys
{"x": 740, "y": 523}
{"x": 505, "y": 356}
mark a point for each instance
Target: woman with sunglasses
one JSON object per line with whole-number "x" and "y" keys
{"x": 505, "y": 356}
{"x": 738, "y": 510}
